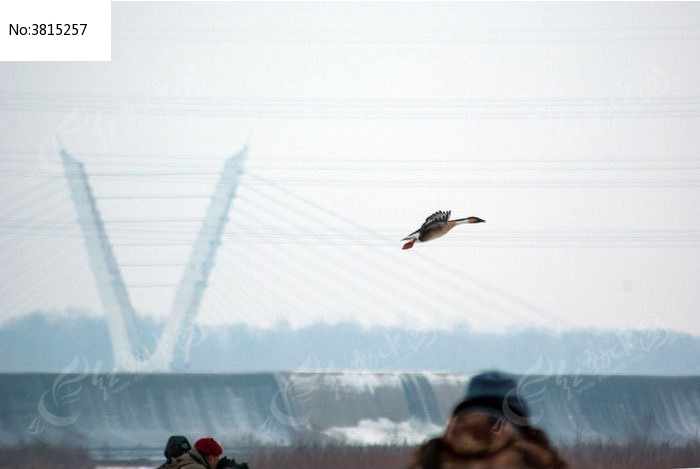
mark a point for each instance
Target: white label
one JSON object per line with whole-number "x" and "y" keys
{"x": 55, "y": 30}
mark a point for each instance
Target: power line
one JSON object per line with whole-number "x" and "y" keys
{"x": 368, "y": 108}
{"x": 444, "y": 179}
{"x": 380, "y": 163}
{"x": 412, "y": 36}
{"x": 151, "y": 232}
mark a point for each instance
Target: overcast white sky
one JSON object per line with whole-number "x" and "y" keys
{"x": 572, "y": 128}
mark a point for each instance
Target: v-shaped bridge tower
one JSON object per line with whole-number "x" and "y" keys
{"x": 172, "y": 350}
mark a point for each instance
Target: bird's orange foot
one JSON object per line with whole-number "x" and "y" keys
{"x": 409, "y": 244}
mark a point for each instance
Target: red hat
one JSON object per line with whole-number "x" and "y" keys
{"x": 208, "y": 447}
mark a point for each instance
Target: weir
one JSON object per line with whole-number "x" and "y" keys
{"x": 136, "y": 413}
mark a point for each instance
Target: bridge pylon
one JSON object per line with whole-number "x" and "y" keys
{"x": 172, "y": 350}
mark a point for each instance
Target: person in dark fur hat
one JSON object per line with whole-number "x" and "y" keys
{"x": 490, "y": 428}
{"x": 176, "y": 446}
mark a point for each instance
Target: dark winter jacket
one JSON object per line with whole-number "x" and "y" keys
{"x": 170, "y": 464}
{"x": 478, "y": 441}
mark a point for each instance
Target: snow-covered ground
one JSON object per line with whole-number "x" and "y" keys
{"x": 384, "y": 431}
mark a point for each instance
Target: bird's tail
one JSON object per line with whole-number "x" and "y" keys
{"x": 413, "y": 235}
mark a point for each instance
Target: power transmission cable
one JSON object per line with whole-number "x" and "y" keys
{"x": 366, "y": 162}
{"x": 397, "y": 109}
{"x": 132, "y": 235}
{"x": 409, "y": 36}
{"x": 530, "y": 179}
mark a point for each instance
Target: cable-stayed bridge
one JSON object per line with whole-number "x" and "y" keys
{"x": 285, "y": 256}
{"x": 369, "y": 272}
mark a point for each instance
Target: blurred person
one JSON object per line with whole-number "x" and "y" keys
{"x": 176, "y": 446}
{"x": 230, "y": 463}
{"x": 490, "y": 428}
{"x": 204, "y": 455}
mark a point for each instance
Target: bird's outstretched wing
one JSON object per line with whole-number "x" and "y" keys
{"x": 437, "y": 218}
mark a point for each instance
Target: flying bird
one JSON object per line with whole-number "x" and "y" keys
{"x": 436, "y": 225}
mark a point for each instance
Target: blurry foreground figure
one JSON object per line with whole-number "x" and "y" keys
{"x": 204, "y": 455}
{"x": 490, "y": 428}
{"x": 176, "y": 446}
